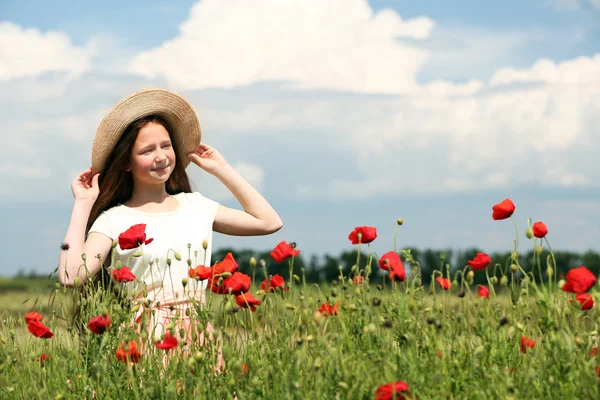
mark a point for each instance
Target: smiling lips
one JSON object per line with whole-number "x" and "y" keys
{"x": 160, "y": 169}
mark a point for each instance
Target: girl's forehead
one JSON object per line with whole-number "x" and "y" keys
{"x": 152, "y": 132}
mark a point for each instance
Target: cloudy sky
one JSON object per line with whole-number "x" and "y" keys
{"x": 341, "y": 112}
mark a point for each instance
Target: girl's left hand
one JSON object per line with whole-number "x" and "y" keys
{"x": 208, "y": 158}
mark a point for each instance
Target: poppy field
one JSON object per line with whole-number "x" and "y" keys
{"x": 526, "y": 334}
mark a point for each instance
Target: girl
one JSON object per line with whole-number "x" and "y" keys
{"x": 138, "y": 178}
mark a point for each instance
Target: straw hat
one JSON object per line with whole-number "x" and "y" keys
{"x": 179, "y": 114}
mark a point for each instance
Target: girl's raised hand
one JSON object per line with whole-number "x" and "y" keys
{"x": 208, "y": 158}
{"x": 85, "y": 186}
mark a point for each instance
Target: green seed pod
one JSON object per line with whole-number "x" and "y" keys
{"x": 168, "y": 262}
{"x": 514, "y": 268}
{"x": 504, "y": 281}
{"x": 252, "y": 262}
{"x": 137, "y": 253}
{"x": 177, "y": 256}
{"x": 494, "y": 280}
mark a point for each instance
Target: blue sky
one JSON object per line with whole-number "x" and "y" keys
{"x": 342, "y": 113}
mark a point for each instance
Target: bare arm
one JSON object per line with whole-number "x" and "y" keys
{"x": 259, "y": 217}
{"x": 71, "y": 264}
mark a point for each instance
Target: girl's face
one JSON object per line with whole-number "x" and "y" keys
{"x": 152, "y": 156}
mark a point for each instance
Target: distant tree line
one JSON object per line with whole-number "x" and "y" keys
{"x": 327, "y": 267}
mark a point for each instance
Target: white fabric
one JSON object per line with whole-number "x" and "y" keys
{"x": 172, "y": 231}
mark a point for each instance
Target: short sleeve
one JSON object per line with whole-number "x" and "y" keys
{"x": 207, "y": 206}
{"x": 103, "y": 225}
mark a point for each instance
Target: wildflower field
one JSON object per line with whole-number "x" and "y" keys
{"x": 526, "y": 334}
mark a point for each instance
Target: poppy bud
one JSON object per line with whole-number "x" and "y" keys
{"x": 290, "y": 306}
{"x": 205, "y": 244}
{"x": 177, "y": 256}
{"x": 400, "y": 221}
{"x": 455, "y": 283}
{"x": 494, "y": 280}
{"x": 190, "y": 362}
{"x": 115, "y": 243}
{"x": 182, "y": 334}
{"x": 514, "y": 255}
{"x": 77, "y": 281}
{"x": 317, "y": 364}
{"x": 318, "y": 317}
{"x": 252, "y": 262}
{"x": 549, "y": 272}
{"x": 529, "y": 233}
{"x": 84, "y": 257}
{"x": 370, "y": 328}
{"x": 417, "y": 281}
{"x": 379, "y": 287}
{"x": 504, "y": 281}
{"x": 296, "y": 277}
{"x": 57, "y": 285}
{"x": 144, "y": 335}
{"x": 184, "y": 281}
{"x": 561, "y": 283}
{"x": 514, "y": 268}
{"x": 470, "y": 276}
{"x": 228, "y": 306}
{"x": 478, "y": 350}
{"x": 194, "y": 335}
{"x": 137, "y": 253}
{"x": 352, "y": 307}
{"x": 168, "y": 261}
{"x": 343, "y": 385}
{"x": 538, "y": 250}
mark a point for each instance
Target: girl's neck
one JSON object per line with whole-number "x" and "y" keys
{"x": 147, "y": 194}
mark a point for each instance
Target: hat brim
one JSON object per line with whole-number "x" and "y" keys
{"x": 174, "y": 109}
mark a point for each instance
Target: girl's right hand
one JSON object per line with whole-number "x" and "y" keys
{"x": 85, "y": 186}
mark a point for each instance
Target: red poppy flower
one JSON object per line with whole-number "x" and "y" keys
{"x": 525, "y": 343}
{"x": 539, "y": 230}
{"x": 397, "y": 273}
{"x": 328, "y": 309}
{"x": 275, "y": 282}
{"x": 168, "y": 342}
{"x": 503, "y": 210}
{"x": 579, "y": 280}
{"x": 358, "y": 280}
{"x": 245, "y": 369}
{"x": 38, "y": 329}
{"x": 444, "y": 283}
{"x": 594, "y": 351}
{"x": 391, "y": 262}
{"x": 235, "y": 284}
{"x": 33, "y": 316}
{"x": 99, "y": 324}
{"x": 392, "y": 391}
{"x": 43, "y": 357}
{"x": 134, "y": 237}
{"x": 586, "y": 301}
{"x": 132, "y": 354}
{"x": 283, "y": 251}
{"x": 483, "y": 292}
{"x": 123, "y": 274}
{"x": 246, "y": 300}
{"x": 597, "y": 369}
{"x": 228, "y": 264}
{"x": 480, "y": 261}
{"x": 369, "y": 233}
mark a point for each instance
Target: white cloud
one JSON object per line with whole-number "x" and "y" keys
{"x": 30, "y": 53}
{"x": 252, "y": 173}
{"x": 572, "y": 5}
{"x": 342, "y": 45}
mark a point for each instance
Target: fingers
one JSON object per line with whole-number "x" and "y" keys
{"x": 95, "y": 180}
